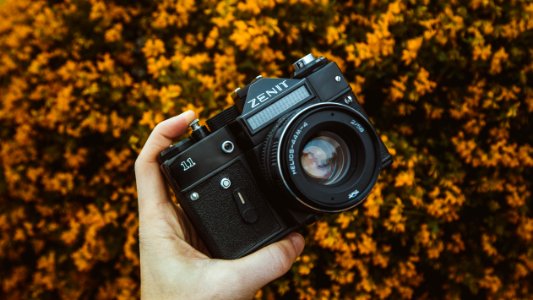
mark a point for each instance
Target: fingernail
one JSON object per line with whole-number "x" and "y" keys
{"x": 297, "y": 240}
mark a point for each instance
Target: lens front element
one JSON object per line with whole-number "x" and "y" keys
{"x": 325, "y": 158}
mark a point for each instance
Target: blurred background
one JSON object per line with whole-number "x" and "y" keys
{"x": 446, "y": 83}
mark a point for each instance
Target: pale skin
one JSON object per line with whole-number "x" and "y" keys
{"x": 173, "y": 260}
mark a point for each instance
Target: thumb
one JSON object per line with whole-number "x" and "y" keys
{"x": 269, "y": 263}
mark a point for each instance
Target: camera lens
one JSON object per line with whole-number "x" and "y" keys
{"x": 325, "y": 158}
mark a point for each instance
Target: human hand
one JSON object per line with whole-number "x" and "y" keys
{"x": 173, "y": 265}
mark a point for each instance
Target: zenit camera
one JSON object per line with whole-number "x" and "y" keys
{"x": 288, "y": 151}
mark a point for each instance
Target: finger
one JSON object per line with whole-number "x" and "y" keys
{"x": 151, "y": 189}
{"x": 261, "y": 267}
{"x": 163, "y": 135}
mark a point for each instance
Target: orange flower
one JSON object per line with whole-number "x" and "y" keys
{"x": 411, "y": 51}
{"x": 153, "y": 48}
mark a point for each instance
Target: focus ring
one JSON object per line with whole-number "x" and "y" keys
{"x": 269, "y": 154}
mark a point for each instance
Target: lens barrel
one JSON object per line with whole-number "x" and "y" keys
{"x": 326, "y": 156}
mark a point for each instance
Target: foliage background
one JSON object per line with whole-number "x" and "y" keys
{"x": 447, "y": 83}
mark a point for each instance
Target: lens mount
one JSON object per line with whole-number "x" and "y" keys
{"x": 326, "y": 156}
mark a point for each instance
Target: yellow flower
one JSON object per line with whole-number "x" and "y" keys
{"x": 398, "y": 88}
{"x": 168, "y": 96}
{"x": 525, "y": 229}
{"x": 411, "y": 51}
{"x": 424, "y": 236}
{"x": 114, "y": 34}
{"x": 497, "y": 59}
{"x": 396, "y": 220}
{"x": 490, "y": 281}
{"x": 366, "y": 245}
{"x": 422, "y": 83}
{"x": 151, "y": 119}
{"x": 158, "y": 67}
{"x": 481, "y": 52}
{"x": 153, "y": 48}
{"x": 405, "y": 178}
{"x": 487, "y": 244}
{"x": 344, "y": 219}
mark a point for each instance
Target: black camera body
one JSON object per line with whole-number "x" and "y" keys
{"x": 289, "y": 150}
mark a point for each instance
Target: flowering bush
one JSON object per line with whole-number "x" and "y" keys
{"x": 82, "y": 83}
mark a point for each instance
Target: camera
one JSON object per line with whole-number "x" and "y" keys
{"x": 288, "y": 151}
